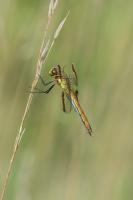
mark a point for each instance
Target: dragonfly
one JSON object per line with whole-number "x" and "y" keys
{"x": 69, "y": 94}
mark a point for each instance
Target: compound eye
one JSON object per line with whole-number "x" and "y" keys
{"x": 54, "y": 72}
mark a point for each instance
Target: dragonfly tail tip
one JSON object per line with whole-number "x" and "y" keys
{"x": 90, "y": 131}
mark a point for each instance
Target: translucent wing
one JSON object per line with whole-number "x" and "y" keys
{"x": 74, "y": 76}
{"x": 66, "y": 103}
{"x": 66, "y": 96}
{"x": 71, "y": 81}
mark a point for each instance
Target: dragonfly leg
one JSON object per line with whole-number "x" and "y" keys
{"x": 43, "y": 82}
{"x": 42, "y": 91}
{"x": 47, "y": 91}
{"x": 63, "y": 102}
{"x": 75, "y": 74}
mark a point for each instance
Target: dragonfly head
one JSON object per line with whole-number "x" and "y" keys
{"x": 55, "y": 71}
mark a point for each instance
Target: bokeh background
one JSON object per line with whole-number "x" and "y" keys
{"x": 57, "y": 159}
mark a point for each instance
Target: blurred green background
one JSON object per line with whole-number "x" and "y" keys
{"x": 57, "y": 159}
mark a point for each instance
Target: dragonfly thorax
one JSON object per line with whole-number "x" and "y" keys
{"x": 62, "y": 83}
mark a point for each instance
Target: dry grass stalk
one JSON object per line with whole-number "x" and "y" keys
{"x": 44, "y": 52}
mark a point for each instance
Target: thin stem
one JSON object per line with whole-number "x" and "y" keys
{"x": 44, "y": 52}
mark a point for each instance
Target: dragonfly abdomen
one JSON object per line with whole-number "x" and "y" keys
{"x": 81, "y": 113}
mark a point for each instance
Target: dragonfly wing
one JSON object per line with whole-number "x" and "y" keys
{"x": 66, "y": 94}
{"x": 66, "y": 103}
{"x": 75, "y": 77}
